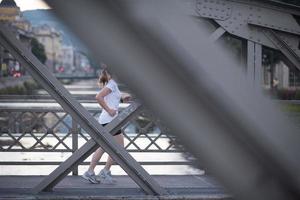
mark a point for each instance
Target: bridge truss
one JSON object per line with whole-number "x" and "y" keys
{"x": 160, "y": 51}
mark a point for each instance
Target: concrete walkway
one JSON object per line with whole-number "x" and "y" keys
{"x": 74, "y": 187}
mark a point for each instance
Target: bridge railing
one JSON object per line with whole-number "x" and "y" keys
{"x": 48, "y": 129}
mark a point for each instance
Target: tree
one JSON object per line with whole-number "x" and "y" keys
{"x": 38, "y": 50}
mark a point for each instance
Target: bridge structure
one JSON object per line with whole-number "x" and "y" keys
{"x": 249, "y": 152}
{"x": 76, "y": 77}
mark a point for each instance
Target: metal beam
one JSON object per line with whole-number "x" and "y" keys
{"x": 237, "y": 17}
{"x": 251, "y": 60}
{"x": 258, "y": 65}
{"x": 89, "y": 147}
{"x": 217, "y": 34}
{"x": 44, "y": 77}
{"x": 284, "y": 48}
{"x": 170, "y": 64}
{"x": 254, "y": 62}
{"x": 272, "y": 4}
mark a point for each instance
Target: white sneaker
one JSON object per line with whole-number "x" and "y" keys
{"x": 91, "y": 177}
{"x": 105, "y": 177}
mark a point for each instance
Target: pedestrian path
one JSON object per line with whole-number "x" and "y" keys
{"x": 74, "y": 187}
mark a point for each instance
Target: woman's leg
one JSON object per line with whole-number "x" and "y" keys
{"x": 95, "y": 159}
{"x": 120, "y": 140}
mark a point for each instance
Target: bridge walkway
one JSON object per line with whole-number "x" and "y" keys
{"x": 74, "y": 187}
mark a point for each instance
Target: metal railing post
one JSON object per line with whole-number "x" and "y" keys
{"x": 75, "y": 135}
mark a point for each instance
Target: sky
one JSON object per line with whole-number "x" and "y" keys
{"x": 31, "y": 4}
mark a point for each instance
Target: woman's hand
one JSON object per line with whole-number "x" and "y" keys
{"x": 112, "y": 112}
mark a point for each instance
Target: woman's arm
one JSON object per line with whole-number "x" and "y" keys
{"x": 100, "y": 99}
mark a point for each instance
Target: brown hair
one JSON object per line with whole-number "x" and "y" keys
{"x": 104, "y": 75}
{"x": 103, "y": 79}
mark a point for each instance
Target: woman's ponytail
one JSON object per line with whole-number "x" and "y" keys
{"x": 103, "y": 79}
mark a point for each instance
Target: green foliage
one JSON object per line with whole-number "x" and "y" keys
{"x": 66, "y": 81}
{"x": 291, "y": 108}
{"x": 297, "y": 95}
{"x": 19, "y": 89}
{"x": 38, "y": 50}
{"x": 26, "y": 89}
{"x": 31, "y": 85}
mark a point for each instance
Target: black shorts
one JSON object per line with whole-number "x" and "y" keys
{"x": 117, "y": 133}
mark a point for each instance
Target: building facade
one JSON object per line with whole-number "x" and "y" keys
{"x": 67, "y": 59}
{"x": 11, "y": 15}
{"x": 52, "y": 41}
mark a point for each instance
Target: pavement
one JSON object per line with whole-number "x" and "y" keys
{"x": 74, "y": 187}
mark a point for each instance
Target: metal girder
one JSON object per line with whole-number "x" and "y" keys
{"x": 273, "y": 4}
{"x": 217, "y": 34}
{"x": 292, "y": 41}
{"x": 248, "y": 20}
{"x": 254, "y": 62}
{"x": 285, "y": 23}
{"x": 283, "y": 47}
{"x": 234, "y": 15}
{"x": 44, "y": 77}
{"x": 86, "y": 150}
{"x": 168, "y": 61}
{"x": 218, "y": 10}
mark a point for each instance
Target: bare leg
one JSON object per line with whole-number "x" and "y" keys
{"x": 120, "y": 140}
{"x": 95, "y": 159}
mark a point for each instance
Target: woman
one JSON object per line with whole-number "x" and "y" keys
{"x": 109, "y": 99}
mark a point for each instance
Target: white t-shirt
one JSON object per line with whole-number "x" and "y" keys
{"x": 112, "y": 100}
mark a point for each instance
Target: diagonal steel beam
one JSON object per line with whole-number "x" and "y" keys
{"x": 217, "y": 34}
{"x": 85, "y": 151}
{"x": 195, "y": 89}
{"x": 44, "y": 77}
{"x": 273, "y": 4}
{"x": 290, "y": 54}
